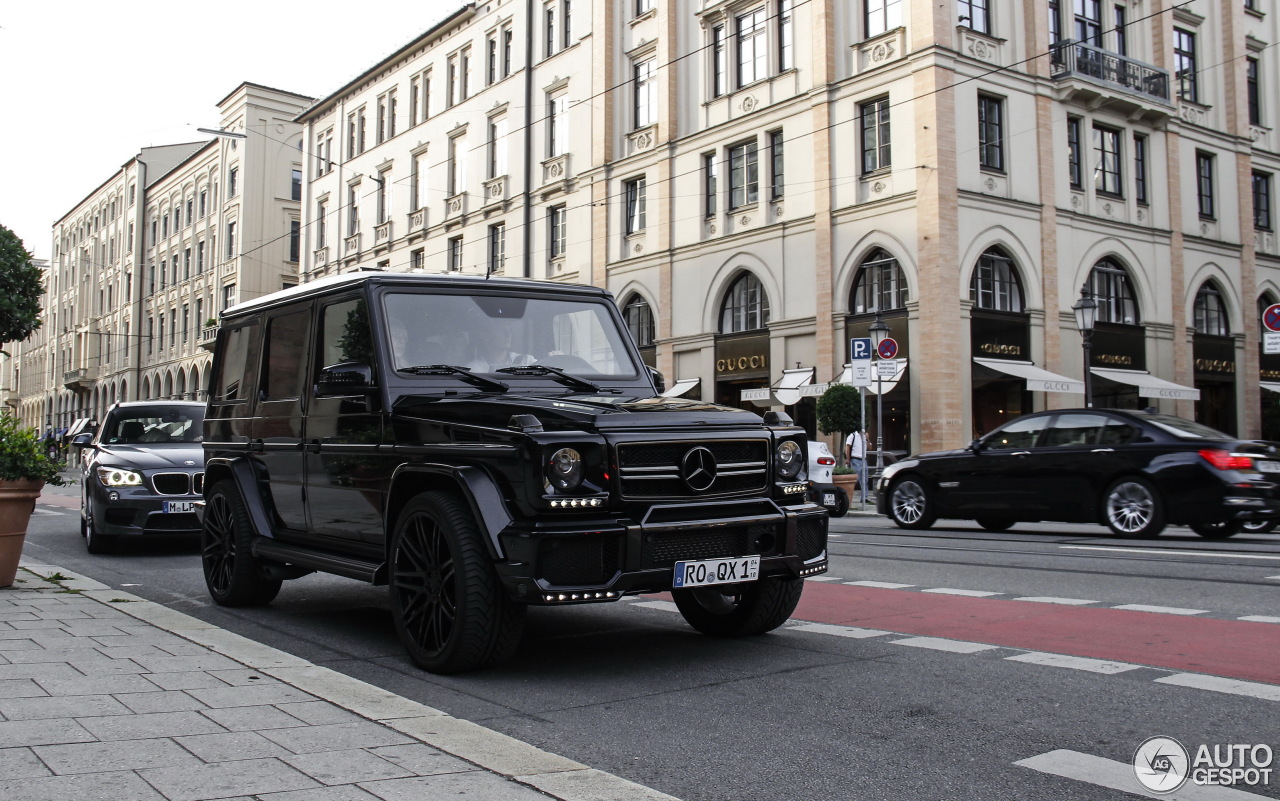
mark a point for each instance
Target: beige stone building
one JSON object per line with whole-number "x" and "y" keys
{"x": 143, "y": 262}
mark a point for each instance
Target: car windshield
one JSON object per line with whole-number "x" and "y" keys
{"x": 486, "y": 333}
{"x": 1186, "y": 429}
{"x": 153, "y": 425}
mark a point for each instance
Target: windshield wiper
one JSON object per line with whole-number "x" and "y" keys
{"x": 461, "y": 372}
{"x": 560, "y": 375}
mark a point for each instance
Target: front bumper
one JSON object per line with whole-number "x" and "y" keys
{"x": 588, "y": 561}
{"x": 139, "y": 512}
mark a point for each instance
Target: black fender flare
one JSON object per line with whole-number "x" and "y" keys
{"x": 474, "y": 485}
{"x": 241, "y": 471}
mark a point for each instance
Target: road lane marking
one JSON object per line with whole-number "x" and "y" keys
{"x": 1260, "y": 619}
{"x": 1072, "y": 662}
{"x": 1163, "y": 610}
{"x": 1119, "y": 776}
{"x": 666, "y": 606}
{"x": 966, "y": 593}
{"x": 883, "y": 585}
{"x": 1274, "y": 578}
{"x": 1162, "y": 552}
{"x": 1050, "y": 600}
{"x": 939, "y": 644}
{"x": 1199, "y": 681}
{"x": 823, "y": 578}
{"x": 840, "y": 631}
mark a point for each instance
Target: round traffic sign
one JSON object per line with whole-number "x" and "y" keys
{"x": 888, "y": 349}
{"x": 1271, "y": 317}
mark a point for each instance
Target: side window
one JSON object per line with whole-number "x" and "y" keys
{"x": 231, "y": 384}
{"x": 282, "y": 370}
{"x": 1116, "y": 432}
{"x": 1075, "y": 430}
{"x": 344, "y": 334}
{"x": 1016, "y": 435}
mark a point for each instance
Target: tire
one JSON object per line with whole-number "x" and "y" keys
{"x": 1217, "y": 530}
{"x": 1132, "y": 509}
{"x": 842, "y": 504}
{"x": 995, "y": 523}
{"x": 94, "y": 542}
{"x": 910, "y": 505}
{"x": 234, "y": 576}
{"x": 450, "y": 610}
{"x": 740, "y": 610}
{"x": 1259, "y": 526}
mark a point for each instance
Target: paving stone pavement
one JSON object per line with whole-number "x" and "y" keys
{"x": 104, "y": 695}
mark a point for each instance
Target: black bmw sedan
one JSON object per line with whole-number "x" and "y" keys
{"x": 143, "y": 472}
{"x": 1132, "y": 471}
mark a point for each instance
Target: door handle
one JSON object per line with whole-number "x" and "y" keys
{"x": 1103, "y": 450}
{"x": 313, "y": 446}
{"x": 1021, "y": 453}
{"x": 257, "y": 446}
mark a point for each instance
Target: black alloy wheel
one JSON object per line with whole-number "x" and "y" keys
{"x": 95, "y": 542}
{"x": 234, "y": 576}
{"x": 1132, "y": 509}
{"x": 910, "y": 505}
{"x": 1217, "y": 529}
{"x": 739, "y": 610}
{"x": 1259, "y": 526}
{"x": 450, "y": 609}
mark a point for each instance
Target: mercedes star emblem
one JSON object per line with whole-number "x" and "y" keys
{"x": 698, "y": 469}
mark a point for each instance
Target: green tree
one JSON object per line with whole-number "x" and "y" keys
{"x": 20, "y": 290}
{"x": 839, "y": 410}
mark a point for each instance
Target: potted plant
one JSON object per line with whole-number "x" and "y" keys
{"x": 24, "y": 469}
{"x": 839, "y": 413}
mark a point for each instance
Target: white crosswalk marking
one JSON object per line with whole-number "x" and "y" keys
{"x": 666, "y": 606}
{"x": 883, "y": 585}
{"x": 1164, "y": 610}
{"x": 840, "y": 631}
{"x": 1072, "y": 662}
{"x": 1119, "y": 776}
{"x": 1261, "y": 619}
{"x": 1267, "y": 692}
{"x": 1051, "y": 600}
{"x": 967, "y": 593}
{"x": 938, "y": 644}
{"x": 823, "y": 578}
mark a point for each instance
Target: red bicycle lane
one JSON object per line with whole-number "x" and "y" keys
{"x": 1228, "y": 648}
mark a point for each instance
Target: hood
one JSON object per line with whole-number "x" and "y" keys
{"x": 561, "y": 412}
{"x": 152, "y": 457}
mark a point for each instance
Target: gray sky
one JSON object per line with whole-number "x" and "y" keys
{"x": 84, "y": 85}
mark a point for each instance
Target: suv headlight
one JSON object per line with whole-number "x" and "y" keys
{"x": 116, "y": 477}
{"x": 564, "y": 469}
{"x": 788, "y": 458}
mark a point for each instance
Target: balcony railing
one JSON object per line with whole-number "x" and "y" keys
{"x": 83, "y": 378}
{"x": 1077, "y": 59}
{"x": 208, "y": 336}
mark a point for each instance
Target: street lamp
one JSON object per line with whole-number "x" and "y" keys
{"x": 879, "y": 333}
{"x": 1086, "y": 309}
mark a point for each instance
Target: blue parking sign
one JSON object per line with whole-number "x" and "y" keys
{"x": 859, "y": 348}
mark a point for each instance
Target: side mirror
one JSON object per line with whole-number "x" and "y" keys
{"x": 81, "y": 440}
{"x": 344, "y": 380}
{"x": 975, "y": 446}
{"x": 658, "y": 380}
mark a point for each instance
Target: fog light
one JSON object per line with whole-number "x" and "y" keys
{"x": 113, "y": 496}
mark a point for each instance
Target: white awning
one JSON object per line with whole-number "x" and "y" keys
{"x": 885, "y": 385}
{"x": 1037, "y": 380}
{"x": 681, "y": 386}
{"x": 1148, "y": 385}
{"x": 784, "y": 393}
{"x": 1270, "y": 386}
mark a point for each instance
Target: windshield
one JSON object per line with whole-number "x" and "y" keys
{"x": 1186, "y": 429}
{"x": 154, "y": 425}
{"x": 486, "y": 333}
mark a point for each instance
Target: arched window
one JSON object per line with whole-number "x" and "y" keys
{"x": 1211, "y": 311}
{"x": 746, "y": 307}
{"x": 995, "y": 285}
{"x": 639, "y": 317}
{"x": 1114, "y": 293}
{"x": 880, "y": 285}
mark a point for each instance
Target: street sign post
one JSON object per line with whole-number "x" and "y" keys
{"x": 1271, "y": 343}
{"x": 1271, "y": 317}
{"x": 860, "y": 350}
{"x": 886, "y": 369}
{"x": 888, "y": 348}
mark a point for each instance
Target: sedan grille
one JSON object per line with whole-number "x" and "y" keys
{"x": 651, "y": 470}
{"x": 173, "y": 483}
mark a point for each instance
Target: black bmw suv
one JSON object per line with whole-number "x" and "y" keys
{"x": 481, "y": 446}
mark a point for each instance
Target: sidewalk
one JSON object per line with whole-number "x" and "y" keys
{"x": 104, "y": 695}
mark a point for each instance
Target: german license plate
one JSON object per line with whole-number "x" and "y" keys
{"x": 1268, "y": 467}
{"x": 828, "y": 499}
{"x": 176, "y": 507}
{"x": 717, "y": 571}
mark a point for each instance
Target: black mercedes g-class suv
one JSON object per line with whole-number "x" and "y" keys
{"x": 482, "y": 445}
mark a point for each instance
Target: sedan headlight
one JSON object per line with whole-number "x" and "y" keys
{"x": 117, "y": 477}
{"x": 788, "y": 459}
{"x": 564, "y": 470}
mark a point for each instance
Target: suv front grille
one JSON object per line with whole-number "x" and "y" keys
{"x": 178, "y": 483}
{"x": 664, "y": 549}
{"x": 811, "y": 536}
{"x": 578, "y": 561}
{"x": 651, "y": 470}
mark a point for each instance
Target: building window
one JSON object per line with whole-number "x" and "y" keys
{"x": 557, "y": 126}
{"x": 415, "y": 84}
{"x": 228, "y": 296}
{"x": 1140, "y": 168}
{"x": 392, "y": 107}
{"x": 1075, "y": 165}
{"x": 646, "y": 93}
{"x": 322, "y": 223}
{"x": 786, "y": 36}
{"x": 1089, "y": 22}
{"x": 200, "y": 257}
{"x": 639, "y": 317}
{"x": 186, "y": 264}
{"x": 709, "y": 183}
{"x": 719, "y": 62}
{"x": 497, "y": 248}
{"x": 875, "y": 135}
{"x": 191, "y": 211}
{"x": 457, "y": 166}
{"x": 507, "y": 38}
{"x": 464, "y": 73}
{"x": 1261, "y": 185}
{"x": 882, "y": 16}
{"x": 995, "y": 285}
{"x": 455, "y": 254}
{"x": 744, "y": 175}
{"x": 491, "y": 59}
{"x": 566, "y": 23}
{"x": 1184, "y": 64}
{"x": 231, "y": 240}
{"x": 549, "y": 30}
{"x": 295, "y": 185}
{"x": 753, "y": 47}
{"x": 556, "y": 233}
{"x": 1204, "y": 184}
{"x": 382, "y": 120}
{"x": 497, "y": 147}
{"x": 353, "y": 210}
{"x": 643, "y": 7}
{"x": 991, "y": 133}
{"x": 880, "y": 285}
{"x": 777, "y": 170}
{"x": 1211, "y": 312}
{"x": 419, "y": 187}
{"x": 1121, "y": 32}
{"x": 1111, "y": 288}
{"x": 1106, "y": 151}
{"x": 973, "y": 15}
{"x": 417, "y": 258}
{"x": 635, "y": 206}
{"x": 451, "y": 83}
{"x": 746, "y": 307}
{"x": 1253, "y": 91}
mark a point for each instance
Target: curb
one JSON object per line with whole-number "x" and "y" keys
{"x": 493, "y": 751}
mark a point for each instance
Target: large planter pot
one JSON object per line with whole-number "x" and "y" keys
{"x": 17, "y": 502}
{"x": 847, "y": 482}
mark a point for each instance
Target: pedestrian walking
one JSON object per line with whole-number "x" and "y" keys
{"x": 855, "y": 450}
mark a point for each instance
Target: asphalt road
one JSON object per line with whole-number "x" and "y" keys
{"x": 836, "y": 705}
